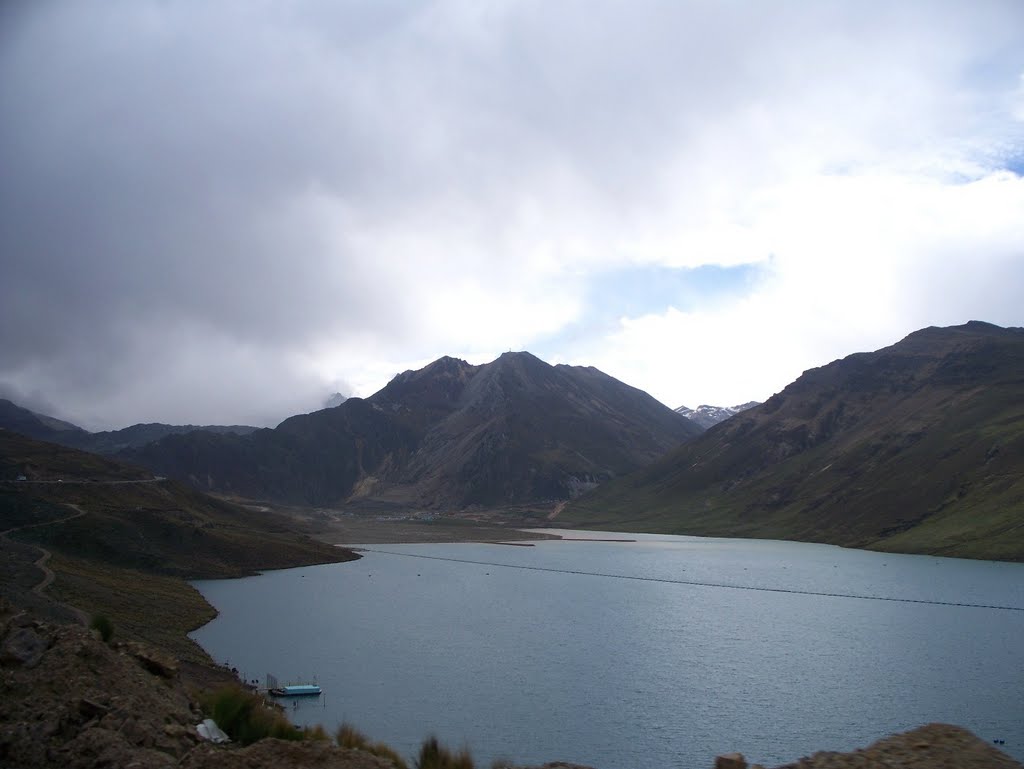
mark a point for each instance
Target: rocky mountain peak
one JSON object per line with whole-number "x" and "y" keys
{"x": 436, "y": 385}
{"x": 515, "y": 430}
{"x": 334, "y": 400}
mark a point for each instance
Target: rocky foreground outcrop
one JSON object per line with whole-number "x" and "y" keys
{"x": 933, "y": 746}
{"x": 69, "y": 700}
{"x": 66, "y": 699}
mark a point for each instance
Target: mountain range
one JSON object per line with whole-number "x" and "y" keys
{"x": 708, "y": 416}
{"x": 516, "y": 431}
{"x": 46, "y": 428}
{"x": 917, "y": 447}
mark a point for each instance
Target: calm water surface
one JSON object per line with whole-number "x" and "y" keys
{"x": 623, "y": 665}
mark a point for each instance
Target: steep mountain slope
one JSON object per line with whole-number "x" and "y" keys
{"x": 313, "y": 458}
{"x": 450, "y": 435}
{"x": 522, "y": 430}
{"x": 706, "y": 416}
{"x": 46, "y": 428}
{"x": 39, "y": 426}
{"x": 918, "y": 447}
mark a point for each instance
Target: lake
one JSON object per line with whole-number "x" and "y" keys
{"x": 662, "y": 652}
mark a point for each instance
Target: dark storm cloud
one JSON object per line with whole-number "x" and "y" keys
{"x": 145, "y": 177}
{"x": 164, "y": 164}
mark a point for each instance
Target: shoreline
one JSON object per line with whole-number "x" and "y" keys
{"x": 351, "y": 531}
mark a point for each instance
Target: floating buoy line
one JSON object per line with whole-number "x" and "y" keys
{"x": 695, "y": 583}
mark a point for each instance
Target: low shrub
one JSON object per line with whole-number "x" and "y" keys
{"x": 101, "y": 624}
{"x": 348, "y": 736}
{"x": 316, "y": 733}
{"x": 245, "y": 717}
{"x": 434, "y": 755}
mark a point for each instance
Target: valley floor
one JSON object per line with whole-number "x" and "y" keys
{"x": 339, "y": 527}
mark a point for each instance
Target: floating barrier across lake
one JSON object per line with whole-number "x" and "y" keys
{"x": 696, "y": 583}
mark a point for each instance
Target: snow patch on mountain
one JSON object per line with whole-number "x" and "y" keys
{"x": 707, "y": 416}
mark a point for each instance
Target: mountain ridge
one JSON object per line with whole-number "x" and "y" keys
{"x": 46, "y": 428}
{"x": 451, "y": 435}
{"x": 916, "y": 447}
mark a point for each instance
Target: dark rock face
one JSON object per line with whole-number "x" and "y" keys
{"x": 450, "y": 435}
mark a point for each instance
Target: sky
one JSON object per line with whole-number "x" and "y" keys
{"x": 223, "y": 212}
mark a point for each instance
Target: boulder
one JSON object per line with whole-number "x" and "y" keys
{"x": 731, "y": 761}
{"x": 23, "y": 647}
{"x": 152, "y": 661}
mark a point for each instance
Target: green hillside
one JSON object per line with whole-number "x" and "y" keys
{"x": 918, "y": 447}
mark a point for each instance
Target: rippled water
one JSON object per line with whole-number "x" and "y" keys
{"x": 623, "y": 655}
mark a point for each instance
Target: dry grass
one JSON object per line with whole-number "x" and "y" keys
{"x": 147, "y": 607}
{"x": 350, "y": 737}
{"x": 434, "y": 755}
{"x": 246, "y": 718}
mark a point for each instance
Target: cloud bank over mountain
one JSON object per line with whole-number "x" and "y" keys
{"x": 226, "y": 212}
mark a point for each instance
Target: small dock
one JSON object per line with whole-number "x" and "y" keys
{"x": 274, "y": 689}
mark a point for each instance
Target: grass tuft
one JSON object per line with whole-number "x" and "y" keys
{"x": 434, "y": 755}
{"x": 101, "y": 624}
{"x": 316, "y": 732}
{"x": 348, "y": 736}
{"x": 246, "y": 718}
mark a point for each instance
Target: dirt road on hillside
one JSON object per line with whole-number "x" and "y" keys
{"x": 42, "y": 562}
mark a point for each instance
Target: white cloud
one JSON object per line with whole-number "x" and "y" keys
{"x": 331, "y": 193}
{"x": 858, "y": 263}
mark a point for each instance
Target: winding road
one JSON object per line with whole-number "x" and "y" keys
{"x": 43, "y": 560}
